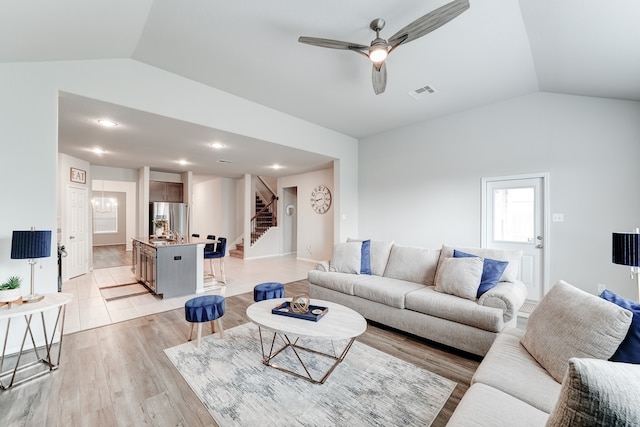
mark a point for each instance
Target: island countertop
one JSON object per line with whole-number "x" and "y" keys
{"x": 163, "y": 241}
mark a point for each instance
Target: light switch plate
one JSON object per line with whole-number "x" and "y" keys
{"x": 557, "y": 217}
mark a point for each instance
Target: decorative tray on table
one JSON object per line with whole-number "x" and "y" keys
{"x": 314, "y": 313}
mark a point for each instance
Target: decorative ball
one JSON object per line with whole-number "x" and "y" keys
{"x": 300, "y": 303}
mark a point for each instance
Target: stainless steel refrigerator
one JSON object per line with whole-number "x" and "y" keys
{"x": 176, "y": 216}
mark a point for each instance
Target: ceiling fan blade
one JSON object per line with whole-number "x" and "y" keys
{"x": 379, "y": 78}
{"x": 332, "y": 44}
{"x": 429, "y": 22}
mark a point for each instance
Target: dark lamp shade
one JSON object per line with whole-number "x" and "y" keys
{"x": 626, "y": 249}
{"x": 30, "y": 244}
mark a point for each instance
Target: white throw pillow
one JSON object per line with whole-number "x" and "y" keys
{"x": 379, "y": 255}
{"x": 460, "y": 276}
{"x": 346, "y": 257}
{"x": 510, "y": 274}
{"x": 598, "y": 393}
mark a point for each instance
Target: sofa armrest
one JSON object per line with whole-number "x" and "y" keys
{"x": 322, "y": 266}
{"x": 507, "y": 296}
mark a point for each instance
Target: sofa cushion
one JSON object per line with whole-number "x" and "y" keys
{"x": 629, "y": 349}
{"x": 483, "y": 406}
{"x": 459, "y": 276}
{"x": 568, "y": 323}
{"x": 509, "y": 367}
{"x": 379, "y": 252}
{"x": 341, "y": 282}
{"x": 384, "y": 290}
{"x": 510, "y": 273}
{"x": 450, "y": 307}
{"x": 412, "y": 264}
{"x": 346, "y": 257}
{"x": 492, "y": 270}
{"x": 598, "y": 393}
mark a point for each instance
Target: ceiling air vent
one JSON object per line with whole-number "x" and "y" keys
{"x": 227, "y": 162}
{"x": 422, "y": 92}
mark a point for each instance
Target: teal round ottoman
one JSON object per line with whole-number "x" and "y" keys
{"x": 207, "y": 308}
{"x": 269, "y": 290}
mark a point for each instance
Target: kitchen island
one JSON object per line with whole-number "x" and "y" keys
{"x": 169, "y": 268}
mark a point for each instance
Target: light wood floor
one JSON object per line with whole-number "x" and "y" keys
{"x": 118, "y": 375}
{"x": 111, "y": 256}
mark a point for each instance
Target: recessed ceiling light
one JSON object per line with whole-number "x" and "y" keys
{"x": 217, "y": 145}
{"x": 107, "y": 123}
{"x": 98, "y": 151}
{"x": 183, "y": 162}
{"x": 276, "y": 166}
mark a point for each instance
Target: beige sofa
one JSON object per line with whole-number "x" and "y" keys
{"x": 556, "y": 372}
{"x": 423, "y": 291}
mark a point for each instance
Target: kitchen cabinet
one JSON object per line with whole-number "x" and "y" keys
{"x": 160, "y": 191}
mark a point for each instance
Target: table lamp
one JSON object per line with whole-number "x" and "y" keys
{"x": 31, "y": 244}
{"x": 626, "y": 251}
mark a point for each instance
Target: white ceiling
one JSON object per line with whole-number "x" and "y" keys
{"x": 498, "y": 49}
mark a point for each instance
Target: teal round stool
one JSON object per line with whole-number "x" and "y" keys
{"x": 207, "y": 308}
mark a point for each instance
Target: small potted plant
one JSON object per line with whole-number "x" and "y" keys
{"x": 10, "y": 290}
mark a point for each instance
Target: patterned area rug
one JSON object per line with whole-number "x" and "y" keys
{"x": 369, "y": 388}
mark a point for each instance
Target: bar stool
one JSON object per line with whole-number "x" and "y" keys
{"x": 219, "y": 252}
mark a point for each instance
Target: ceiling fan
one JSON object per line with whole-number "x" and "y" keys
{"x": 379, "y": 49}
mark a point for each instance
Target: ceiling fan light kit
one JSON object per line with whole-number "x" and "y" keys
{"x": 380, "y": 49}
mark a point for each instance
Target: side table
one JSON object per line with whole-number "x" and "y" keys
{"x": 50, "y": 302}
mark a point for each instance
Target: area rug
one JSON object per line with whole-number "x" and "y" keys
{"x": 369, "y": 388}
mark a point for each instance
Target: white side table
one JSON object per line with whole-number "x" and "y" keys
{"x": 50, "y": 302}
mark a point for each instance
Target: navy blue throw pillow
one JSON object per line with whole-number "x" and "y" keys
{"x": 629, "y": 349}
{"x": 491, "y": 271}
{"x": 365, "y": 257}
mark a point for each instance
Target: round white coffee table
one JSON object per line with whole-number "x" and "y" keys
{"x": 340, "y": 323}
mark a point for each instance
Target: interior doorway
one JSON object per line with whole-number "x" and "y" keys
{"x": 515, "y": 217}
{"x": 290, "y": 220}
{"x": 77, "y": 233}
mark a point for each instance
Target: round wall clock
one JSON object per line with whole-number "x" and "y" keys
{"x": 320, "y": 199}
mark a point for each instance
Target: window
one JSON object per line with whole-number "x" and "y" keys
{"x": 105, "y": 215}
{"x": 513, "y": 215}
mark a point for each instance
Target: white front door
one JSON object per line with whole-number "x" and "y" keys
{"x": 514, "y": 218}
{"x": 77, "y": 232}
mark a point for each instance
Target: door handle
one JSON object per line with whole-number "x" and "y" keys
{"x": 539, "y": 246}
{"x": 72, "y": 237}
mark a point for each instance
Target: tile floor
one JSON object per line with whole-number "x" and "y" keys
{"x": 90, "y": 310}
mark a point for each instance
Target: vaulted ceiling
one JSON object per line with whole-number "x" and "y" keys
{"x": 496, "y": 50}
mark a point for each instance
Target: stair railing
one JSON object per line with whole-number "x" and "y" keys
{"x": 268, "y": 213}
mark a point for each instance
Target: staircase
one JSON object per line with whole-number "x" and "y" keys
{"x": 238, "y": 252}
{"x": 263, "y": 220}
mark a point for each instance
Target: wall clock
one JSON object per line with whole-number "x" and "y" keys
{"x": 320, "y": 199}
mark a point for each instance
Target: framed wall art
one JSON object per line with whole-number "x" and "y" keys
{"x": 78, "y": 175}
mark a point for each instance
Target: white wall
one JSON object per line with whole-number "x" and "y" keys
{"x": 29, "y": 131}
{"x": 420, "y": 185}
{"x": 314, "y": 240}
{"x": 214, "y": 209}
